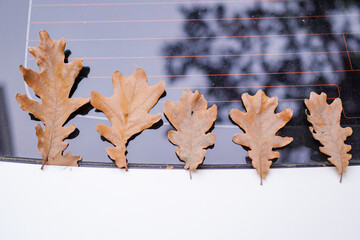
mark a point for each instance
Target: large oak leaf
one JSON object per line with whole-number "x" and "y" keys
{"x": 52, "y": 85}
{"x": 260, "y": 124}
{"x": 192, "y": 120}
{"x": 127, "y": 111}
{"x": 325, "y": 120}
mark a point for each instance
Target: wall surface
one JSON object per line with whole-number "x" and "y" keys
{"x": 94, "y": 203}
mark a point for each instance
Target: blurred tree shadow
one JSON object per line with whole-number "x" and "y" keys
{"x": 278, "y": 44}
{"x": 259, "y": 44}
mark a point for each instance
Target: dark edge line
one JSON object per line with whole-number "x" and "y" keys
{"x": 179, "y": 166}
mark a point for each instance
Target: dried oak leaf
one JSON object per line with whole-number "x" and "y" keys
{"x": 192, "y": 120}
{"x": 127, "y": 111}
{"x": 52, "y": 85}
{"x": 260, "y": 124}
{"x": 325, "y": 120}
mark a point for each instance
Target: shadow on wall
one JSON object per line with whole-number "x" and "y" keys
{"x": 6, "y": 148}
{"x": 278, "y": 43}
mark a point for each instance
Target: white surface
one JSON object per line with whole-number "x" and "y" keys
{"x": 94, "y": 203}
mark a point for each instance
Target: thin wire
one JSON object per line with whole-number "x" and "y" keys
{"x": 148, "y": 3}
{"x": 26, "y": 48}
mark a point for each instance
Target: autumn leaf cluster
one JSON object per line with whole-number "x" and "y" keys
{"x": 128, "y": 113}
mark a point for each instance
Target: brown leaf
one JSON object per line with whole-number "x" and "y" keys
{"x": 127, "y": 111}
{"x": 326, "y": 129}
{"x": 52, "y": 85}
{"x": 260, "y": 124}
{"x": 192, "y": 120}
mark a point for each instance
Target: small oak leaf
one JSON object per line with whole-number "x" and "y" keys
{"x": 192, "y": 120}
{"x": 52, "y": 85}
{"x": 127, "y": 111}
{"x": 325, "y": 120}
{"x": 260, "y": 124}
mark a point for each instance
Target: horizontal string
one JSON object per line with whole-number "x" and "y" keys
{"x": 194, "y": 20}
{"x": 206, "y": 37}
{"x": 149, "y": 3}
